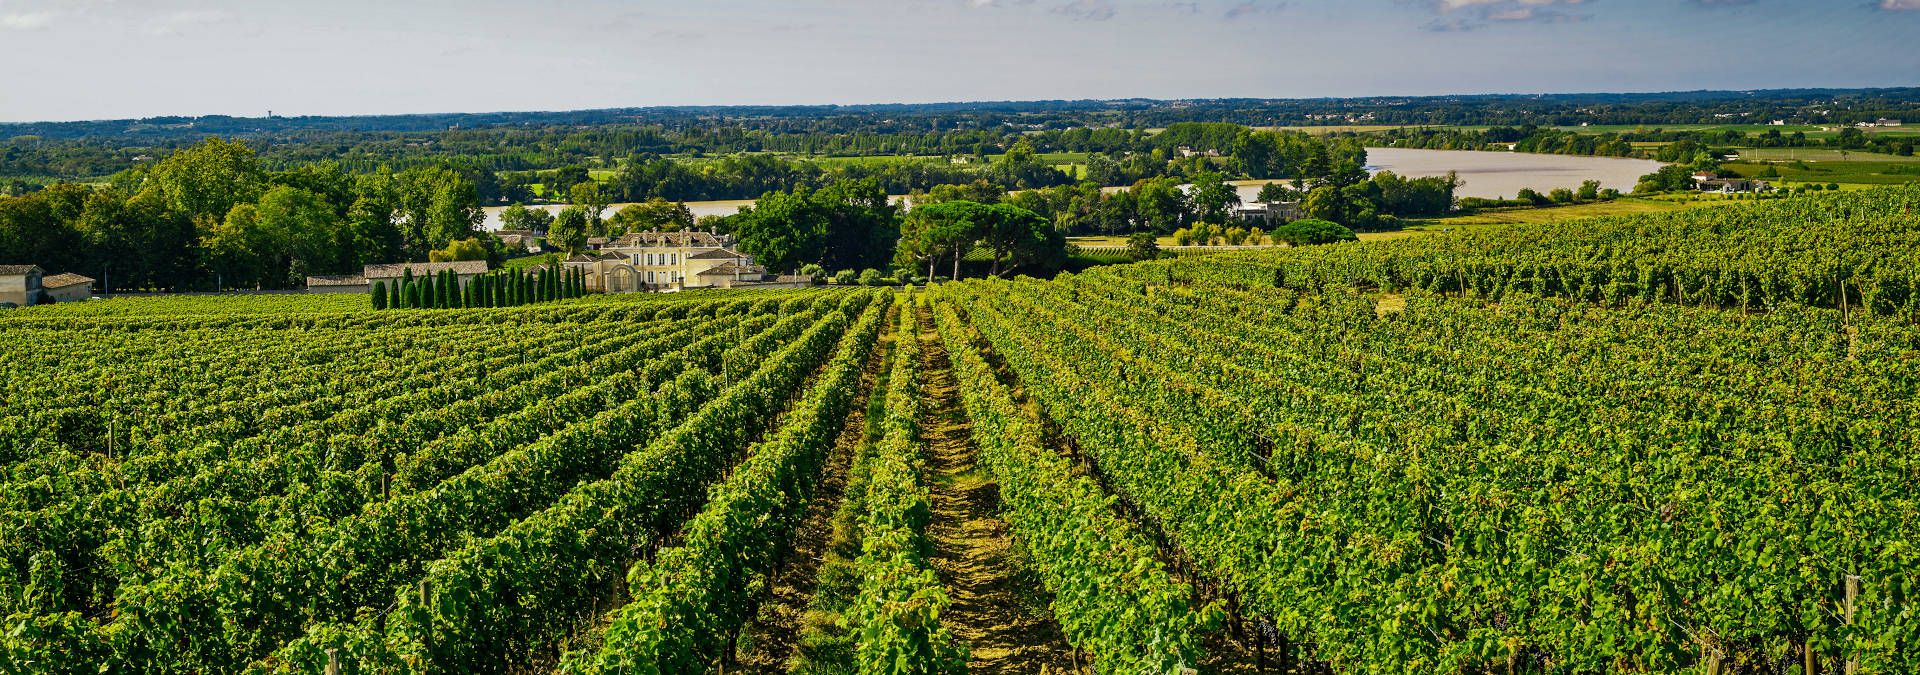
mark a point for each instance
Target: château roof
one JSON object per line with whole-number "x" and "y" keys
{"x": 717, "y": 254}
{"x": 336, "y": 280}
{"x": 730, "y": 269}
{"x": 10, "y": 270}
{"x": 681, "y": 239}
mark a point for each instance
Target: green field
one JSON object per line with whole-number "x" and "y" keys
{"x": 1853, "y": 172}
{"x": 1819, "y": 155}
{"x": 1551, "y": 214}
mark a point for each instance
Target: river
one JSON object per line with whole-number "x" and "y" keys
{"x": 1501, "y": 174}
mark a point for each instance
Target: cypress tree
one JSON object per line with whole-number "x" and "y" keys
{"x": 453, "y": 291}
{"x": 416, "y": 297}
{"x": 379, "y": 295}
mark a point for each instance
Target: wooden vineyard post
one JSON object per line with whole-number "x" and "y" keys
{"x": 333, "y": 661}
{"x": 1260, "y": 646}
{"x": 1853, "y": 593}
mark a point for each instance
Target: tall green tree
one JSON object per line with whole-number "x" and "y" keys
{"x": 1212, "y": 197}
{"x": 438, "y": 205}
{"x": 783, "y": 230}
{"x": 1019, "y": 239}
{"x": 939, "y": 232}
{"x": 304, "y": 235}
{"x": 654, "y": 214}
{"x": 569, "y": 230}
{"x": 590, "y": 198}
{"x": 205, "y": 181}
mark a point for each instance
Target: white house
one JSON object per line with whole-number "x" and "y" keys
{"x": 1268, "y": 212}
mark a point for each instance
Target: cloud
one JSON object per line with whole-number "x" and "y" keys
{"x": 1723, "y": 3}
{"x": 1900, "y": 5}
{"x": 25, "y": 20}
{"x": 1253, "y": 7}
{"x": 1087, "y": 10}
{"x": 1466, "y": 15}
{"x": 177, "y": 23}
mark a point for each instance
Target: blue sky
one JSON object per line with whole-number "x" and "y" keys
{"x": 91, "y": 59}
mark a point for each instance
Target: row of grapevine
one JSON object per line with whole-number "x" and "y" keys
{"x": 1112, "y": 596}
{"x": 1853, "y": 250}
{"x": 505, "y": 600}
{"x": 894, "y": 619}
{"x": 332, "y": 478}
{"x": 1384, "y": 455}
{"x": 269, "y": 586}
{"x": 76, "y": 510}
{"x": 689, "y": 602}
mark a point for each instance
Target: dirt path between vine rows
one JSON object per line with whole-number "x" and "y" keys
{"x": 999, "y": 610}
{"x": 776, "y": 627}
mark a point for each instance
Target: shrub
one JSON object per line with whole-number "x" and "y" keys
{"x": 844, "y": 277}
{"x": 1311, "y": 231}
{"x": 1143, "y": 246}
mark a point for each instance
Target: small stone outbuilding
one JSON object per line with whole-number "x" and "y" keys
{"x": 67, "y": 287}
{"x": 20, "y": 284}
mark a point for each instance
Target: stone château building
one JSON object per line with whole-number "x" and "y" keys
{"x": 667, "y": 261}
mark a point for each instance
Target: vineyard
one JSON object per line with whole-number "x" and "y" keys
{"x": 1651, "y": 444}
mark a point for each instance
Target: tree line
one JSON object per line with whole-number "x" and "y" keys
{"x": 210, "y": 216}
{"x": 213, "y": 216}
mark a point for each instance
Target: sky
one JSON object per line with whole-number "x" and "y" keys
{"x": 112, "y": 59}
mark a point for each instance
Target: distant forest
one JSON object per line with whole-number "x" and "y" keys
{"x": 45, "y": 152}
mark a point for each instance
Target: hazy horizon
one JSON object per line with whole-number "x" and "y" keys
{"x": 121, "y": 59}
